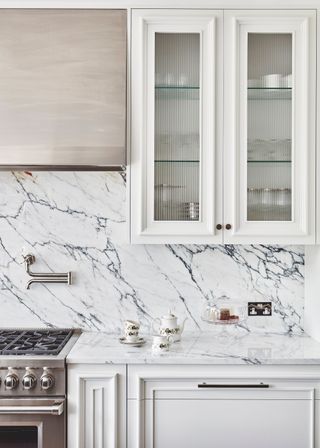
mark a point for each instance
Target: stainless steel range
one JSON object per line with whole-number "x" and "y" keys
{"x": 33, "y": 387}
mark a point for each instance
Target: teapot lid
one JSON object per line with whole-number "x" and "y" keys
{"x": 169, "y": 316}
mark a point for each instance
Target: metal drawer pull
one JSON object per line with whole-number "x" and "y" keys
{"x": 233, "y": 386}
{"x": 56, "y": 409}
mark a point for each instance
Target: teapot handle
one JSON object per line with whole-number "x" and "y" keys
{"x": 156, "y": 330}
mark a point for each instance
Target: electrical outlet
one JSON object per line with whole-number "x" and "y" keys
{"x": 259, "y": 308}
{"x": 259, "y": 353}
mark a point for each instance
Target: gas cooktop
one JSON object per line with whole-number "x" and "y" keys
{"x": 33, "y": 342}
{"x": 33, "y": 361}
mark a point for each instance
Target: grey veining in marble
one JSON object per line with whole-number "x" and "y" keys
{"x": 212, "y": 347}
{"x": 77, "y": 222}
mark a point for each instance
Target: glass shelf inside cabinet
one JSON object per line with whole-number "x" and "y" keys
{"x": 180, "y": 92}
{"x": 177, "y": 161}
{"x": 177, "y": 87}
{"x": 272, "y": 150}
{"x": 269, "y": 161}
{"x": 269, "y": 93}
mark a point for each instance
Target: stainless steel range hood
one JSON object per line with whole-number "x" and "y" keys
{"x": 62, "y": 89}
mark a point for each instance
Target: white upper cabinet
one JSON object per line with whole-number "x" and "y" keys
{"x": 176, "y": 126}
{"x": 223, "y": 119}
{"x": 269, "y": 138}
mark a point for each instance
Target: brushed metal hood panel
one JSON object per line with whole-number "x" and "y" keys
{"x": 62, "y": 88}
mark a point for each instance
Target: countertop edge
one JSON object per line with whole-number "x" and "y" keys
{"x": 200, "y": 349}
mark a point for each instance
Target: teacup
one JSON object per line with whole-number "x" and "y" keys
{"x": 161, "y": 343}
{"x": 131, "y": 325}
{"x": 132, "y": 336}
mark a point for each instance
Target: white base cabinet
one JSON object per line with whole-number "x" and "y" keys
{"x": 209, "y": 406}
{"x": 96, "y": 406}
{"x": 161, "y": 406}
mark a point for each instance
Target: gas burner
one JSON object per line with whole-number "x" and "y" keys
{"x": 33, "y": 342}
{"x": 33, "y": 361}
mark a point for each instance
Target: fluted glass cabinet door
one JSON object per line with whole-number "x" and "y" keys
{"x": 176, "y": 126}
{"x": 269, "y": 126}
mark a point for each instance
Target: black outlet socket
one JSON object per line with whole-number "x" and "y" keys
{"x": 260, "y": 309}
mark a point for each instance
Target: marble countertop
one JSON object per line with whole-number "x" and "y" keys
{"x": 201, "y": 348}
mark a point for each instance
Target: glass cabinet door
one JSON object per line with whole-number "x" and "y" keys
{"x": 176, "y": 194}
{"x": 269, "y": 127}
{"x": 269, "y": 87}
{"x": 177, "y": 127}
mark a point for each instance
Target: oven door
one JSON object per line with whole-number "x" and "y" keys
{"x": 32, "y": 423}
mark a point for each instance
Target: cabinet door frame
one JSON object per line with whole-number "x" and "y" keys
{"x": 302, "y": 24}
{"x": 98, "y": 391}
{"x": 145, "y": 23}
{"x": 283, "y": 394}
{"x": 146, "y": 382}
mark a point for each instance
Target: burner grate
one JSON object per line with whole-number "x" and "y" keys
{"x": 33, "y": 342}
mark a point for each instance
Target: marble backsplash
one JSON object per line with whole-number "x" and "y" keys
{"x": 77, "y": 222}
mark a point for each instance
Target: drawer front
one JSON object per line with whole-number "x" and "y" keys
{"x": 225, "y": 407}
{"x": 230, "y": 421}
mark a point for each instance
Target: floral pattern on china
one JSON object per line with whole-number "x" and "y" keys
{"x": 168, "y": 326}
{"x": 166, "y": 331}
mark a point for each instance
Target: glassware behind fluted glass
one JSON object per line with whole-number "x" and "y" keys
{"x": 167, "y": 204}
{"x": 266, "y": 204}
{"x": 269, "y": 150}
{"x": 269, "y": 144}
{"x": 177, "y": 127}
{"x": 189, "y": 211}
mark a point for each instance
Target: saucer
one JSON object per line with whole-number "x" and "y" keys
{"x": 138, "y": 343}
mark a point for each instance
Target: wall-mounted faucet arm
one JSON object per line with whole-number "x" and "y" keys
{"x": 45, "y": 277}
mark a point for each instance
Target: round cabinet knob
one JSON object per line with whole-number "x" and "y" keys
{"x": 46, "y": 381}
{"x": 29, "y": 381}
{"x": 218, "y": 226}
{"x": 11, "y": 381}
{"x": 228, "y": 226}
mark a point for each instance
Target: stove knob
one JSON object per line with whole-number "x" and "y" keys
{"x": 29, "y": 380}
{"x": 46, "y": 380}
{"x": 11, "y": 381}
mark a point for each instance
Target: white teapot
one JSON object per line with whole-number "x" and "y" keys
{"x": 168, "y": 326}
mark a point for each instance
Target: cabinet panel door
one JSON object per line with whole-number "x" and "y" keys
{"x": 176, "y": 126}
{"x": 270, "y": 126}
{"x": 267, "y": 419}
{"x": 96, "y": 406}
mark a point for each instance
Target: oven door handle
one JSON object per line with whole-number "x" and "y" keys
{"x": 55, "y": 409}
